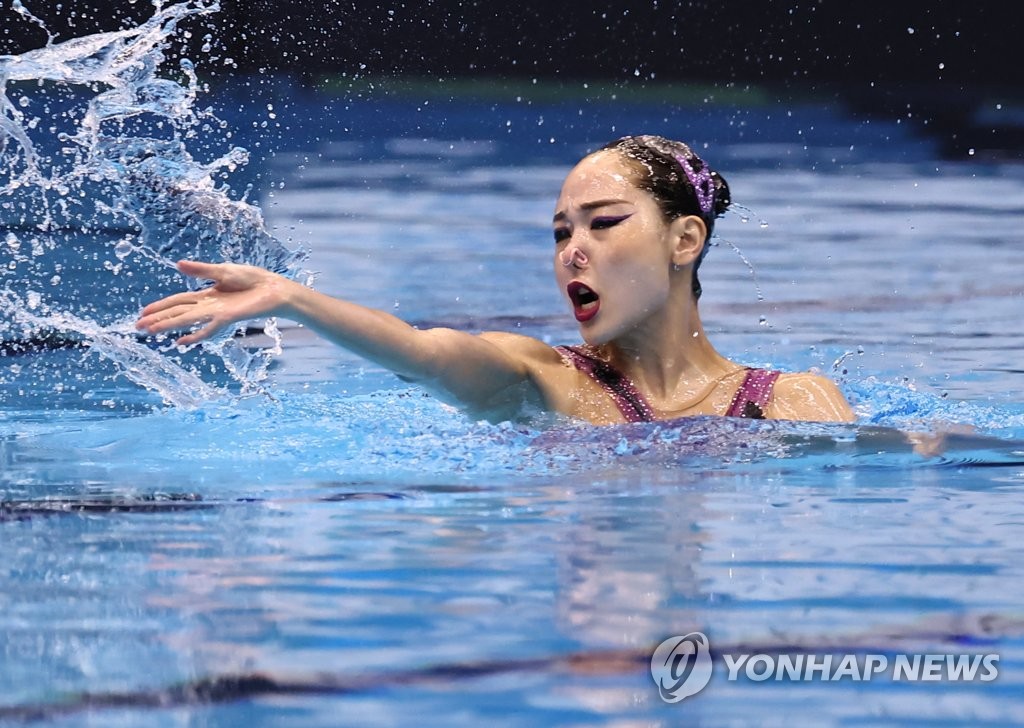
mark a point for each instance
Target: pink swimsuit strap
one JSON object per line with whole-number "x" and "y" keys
{"x": 750, "y": 400}
{"x": 627, "y": 397}
{"x": 753, "y": 395}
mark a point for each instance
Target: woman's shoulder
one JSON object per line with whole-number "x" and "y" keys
{"x": 808, "y": 396}
{"x": 525, "y": 348}
{"x": 562, "y": 386}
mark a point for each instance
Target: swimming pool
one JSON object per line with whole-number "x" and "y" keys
{"x": 343, "y": 549}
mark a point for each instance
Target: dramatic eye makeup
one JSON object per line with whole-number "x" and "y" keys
{"x": 598, "y": 222}
{"x": 606, "y": 221}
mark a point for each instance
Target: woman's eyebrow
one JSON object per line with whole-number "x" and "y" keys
{"x": 561, "y": 215}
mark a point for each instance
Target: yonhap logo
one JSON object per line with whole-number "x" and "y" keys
{"x": 681, "y": 666}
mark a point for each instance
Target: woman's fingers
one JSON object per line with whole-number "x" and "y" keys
{"x": 177, "y": 299}
{"x": 177, "y": 317}
{"x": 182, "y": 317}
{"x": 202, "y": 334}
{"x": 198, "y": 269}
{"x": 233, "y": 297}
{"x": 163, "y": 318}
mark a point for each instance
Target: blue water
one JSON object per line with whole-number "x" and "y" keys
{"x": 356, "y": 553}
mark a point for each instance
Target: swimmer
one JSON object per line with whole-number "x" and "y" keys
{"x": 632, "y": 225}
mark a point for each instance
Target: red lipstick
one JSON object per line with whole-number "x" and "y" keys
{"x": 585, "y": 302}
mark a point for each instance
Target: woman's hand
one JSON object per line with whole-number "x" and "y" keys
{"x": 239, "y": 292}
{"x": 489, "y": 375}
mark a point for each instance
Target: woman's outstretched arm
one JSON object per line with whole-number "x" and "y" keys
{"x": 467, "y": 370}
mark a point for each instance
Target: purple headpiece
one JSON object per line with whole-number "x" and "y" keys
{"x": 703, "y": 185}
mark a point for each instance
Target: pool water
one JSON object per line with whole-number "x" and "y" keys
{"x": 338, "y": 548}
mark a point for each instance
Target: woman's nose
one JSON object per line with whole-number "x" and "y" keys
{"x": 573, "y": 257}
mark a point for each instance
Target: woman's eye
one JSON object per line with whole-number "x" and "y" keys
{"x": 601, "y": 223}
{"x": 561, "y": 234}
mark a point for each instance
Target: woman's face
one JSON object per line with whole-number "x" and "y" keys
{"x": 613, "y": 248}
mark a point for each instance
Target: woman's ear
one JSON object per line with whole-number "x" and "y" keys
{"x": 687, "y": 234}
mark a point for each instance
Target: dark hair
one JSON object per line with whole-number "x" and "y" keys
{"x": 658, "y": 164}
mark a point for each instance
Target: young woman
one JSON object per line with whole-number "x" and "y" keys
{"x": 631, "y": 226}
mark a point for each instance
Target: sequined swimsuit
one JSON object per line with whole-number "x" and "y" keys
{"x": 750, "y": 400}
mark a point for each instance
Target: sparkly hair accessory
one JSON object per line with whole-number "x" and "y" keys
{"x": 703, "y": 185}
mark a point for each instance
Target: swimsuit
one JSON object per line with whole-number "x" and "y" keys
{"x": 750, "y": 400}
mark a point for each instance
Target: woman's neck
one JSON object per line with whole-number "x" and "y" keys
{"x": 669, "y": 357}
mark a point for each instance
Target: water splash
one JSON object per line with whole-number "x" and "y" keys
{"x": 105, "y": 173}
{"x": 746, "y": 261}
{"x": 745, "y": 214}
{"x": 137, "y": 362}
{"x": 124, "y": 61}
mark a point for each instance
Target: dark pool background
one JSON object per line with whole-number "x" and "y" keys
{"x": 344, "y": 550}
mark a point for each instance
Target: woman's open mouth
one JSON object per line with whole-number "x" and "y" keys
{"x": 585, "y": 302}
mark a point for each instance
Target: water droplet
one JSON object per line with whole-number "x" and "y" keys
{"x": 123, "y": 249}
